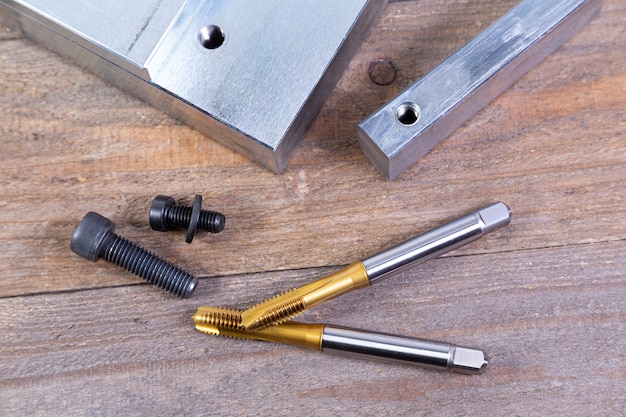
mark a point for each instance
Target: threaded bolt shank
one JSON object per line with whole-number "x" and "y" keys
{"x": 165, "y": 214}
{"x": 95, "y": 238}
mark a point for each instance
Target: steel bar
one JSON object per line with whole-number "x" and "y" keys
{"x": 395, "y": 136}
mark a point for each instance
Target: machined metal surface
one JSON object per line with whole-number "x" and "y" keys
{"x": 250, "y": 75}
{"x": 402, "y": 131}
{"x": 404, "y": 350}
{"x": 436, "y": 242}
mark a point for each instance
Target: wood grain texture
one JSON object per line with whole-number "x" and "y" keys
{"x": 544, "y": 296}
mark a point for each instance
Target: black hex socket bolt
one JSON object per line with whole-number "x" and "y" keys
{"x": 94, "y": 238}
{"x": 165, "y": 214}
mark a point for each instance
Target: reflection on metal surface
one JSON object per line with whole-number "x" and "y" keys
{"x": 251, "y": 75}
{"x": 402, "y": 131}
{"x": 436, "y": 242}
{"x": 403, "y": 350}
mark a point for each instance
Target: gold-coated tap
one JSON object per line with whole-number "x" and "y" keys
{"x": 359, "y": 274}
{"x": 218, "y": 321}
{"x": 289, "y": 304}
{"x": 226, "y": 318}
{"x": 225, "y": 322}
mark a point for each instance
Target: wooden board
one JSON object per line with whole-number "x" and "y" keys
{"x": 544, "y": 296}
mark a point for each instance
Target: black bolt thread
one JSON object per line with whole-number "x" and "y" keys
{"x": 210, "y": 221}
{"x": 149, "y": 267}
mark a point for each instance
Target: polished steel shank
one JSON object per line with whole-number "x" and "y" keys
{"x": 436, "y": 242}
{"x": 423, "y": 353}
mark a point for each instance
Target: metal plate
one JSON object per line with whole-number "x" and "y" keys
{"x": 398, "y": 134}
{"x": 256, "y": 90}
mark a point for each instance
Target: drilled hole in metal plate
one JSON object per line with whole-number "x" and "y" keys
{"x": 211, "y": 37}
{"x": 408, "y": 113}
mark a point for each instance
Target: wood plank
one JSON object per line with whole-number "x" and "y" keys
{"x": 553, "y": 333}
{"x": 543, "y": 296}
{"x": 554, "y": 139}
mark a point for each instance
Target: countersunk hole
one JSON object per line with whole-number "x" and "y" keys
{"x": 408, "y": 113}
{"x": 211, "y": 37}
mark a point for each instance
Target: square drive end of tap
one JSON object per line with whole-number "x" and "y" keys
{"x": 468, "y": 361}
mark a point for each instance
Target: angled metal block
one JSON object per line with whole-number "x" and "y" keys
{"x": 252, "y": 75}
{"x": 402, "y": 131}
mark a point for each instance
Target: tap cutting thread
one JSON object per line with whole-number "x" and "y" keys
{"x": 218, "y": 317}
{"x": 289, "y": 304}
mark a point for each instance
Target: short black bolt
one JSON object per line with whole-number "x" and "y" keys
{"x": 164, "y": 214}
{"x": 94, "y": 238}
